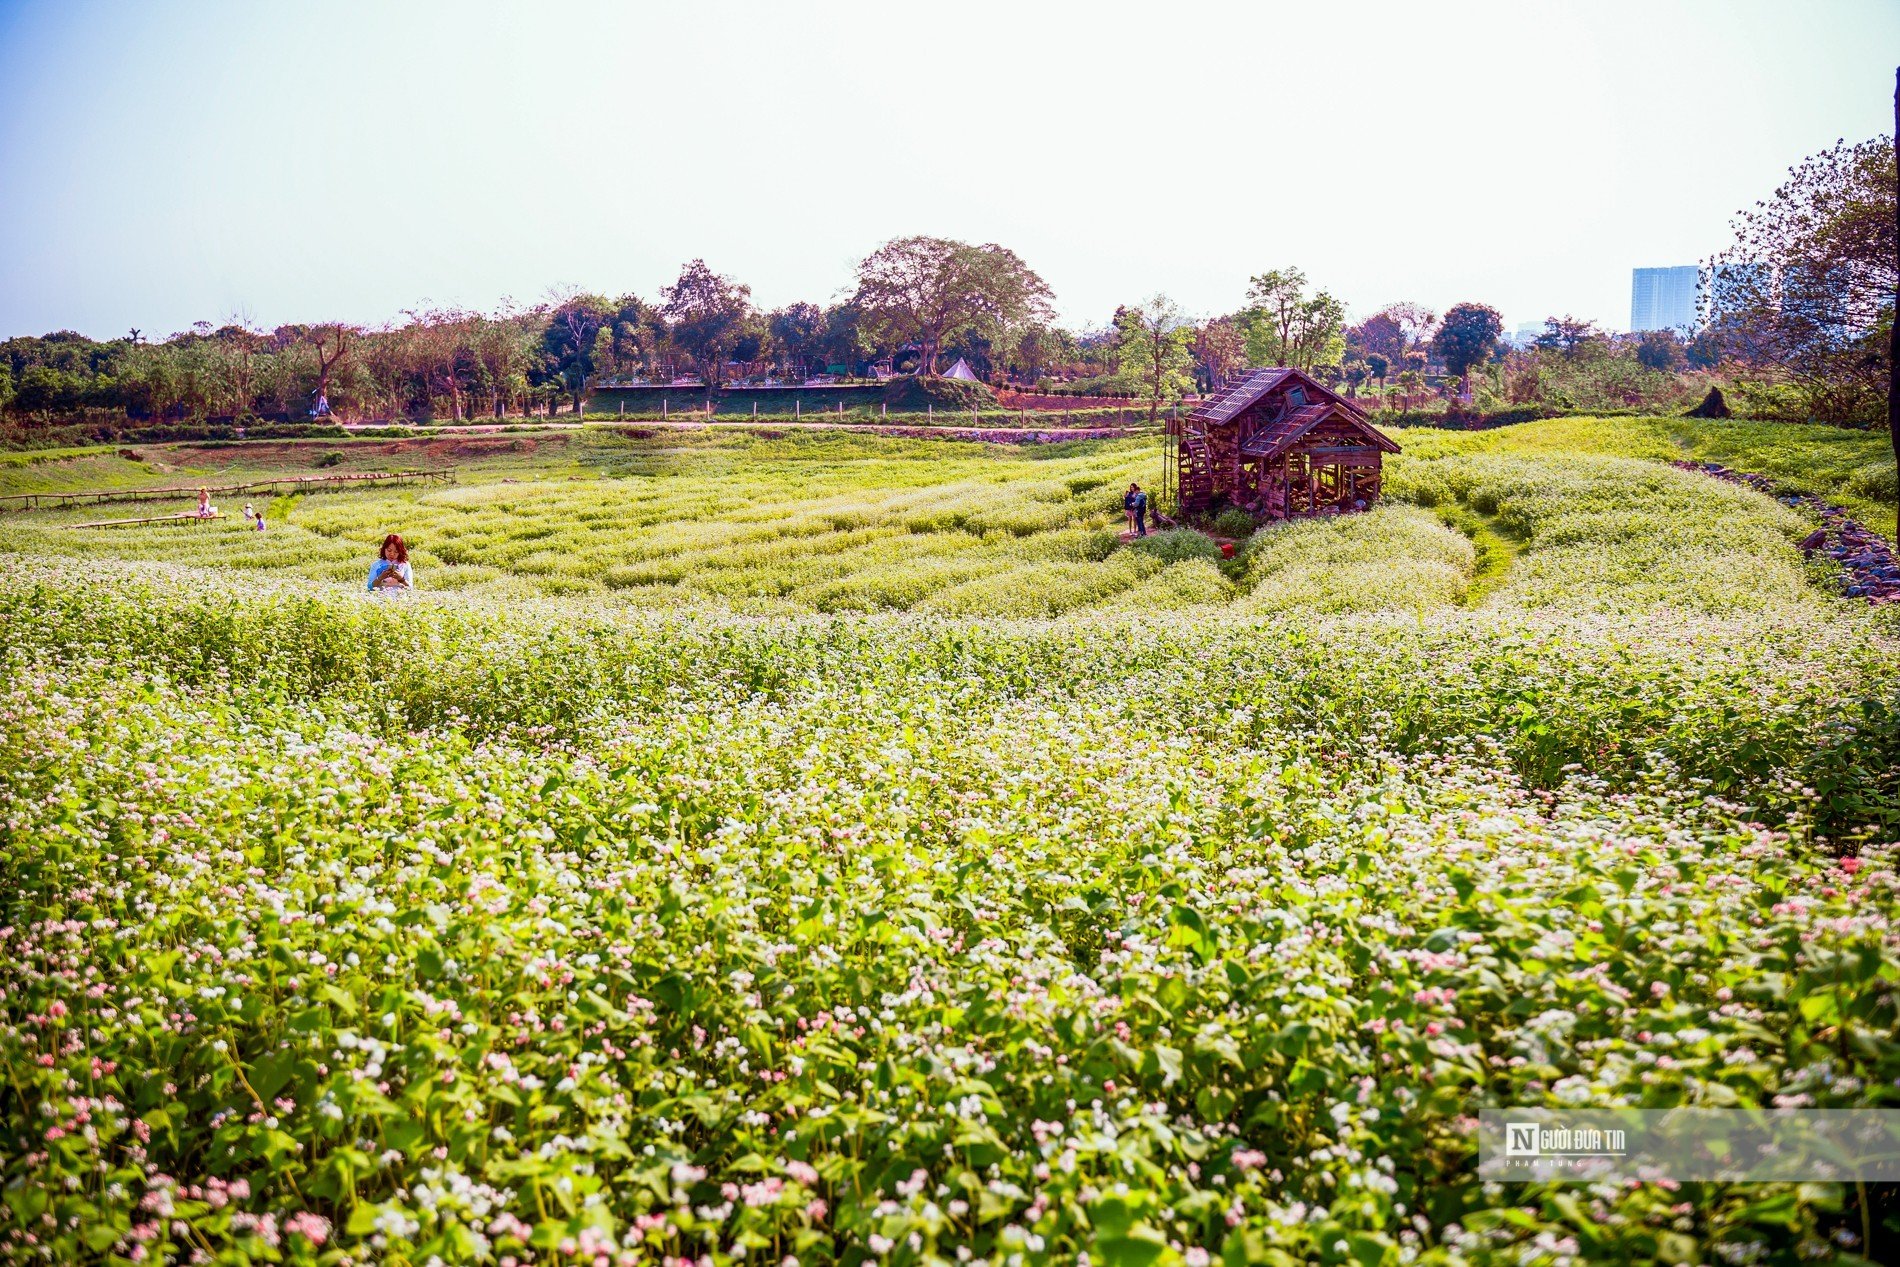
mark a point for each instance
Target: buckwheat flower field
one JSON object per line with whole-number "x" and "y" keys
{"x": 851, "y": 851}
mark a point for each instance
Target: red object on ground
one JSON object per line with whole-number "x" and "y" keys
{"x": 1226, "y": 549}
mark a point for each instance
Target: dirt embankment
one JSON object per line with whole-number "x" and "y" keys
{"x": 416, "y": 451}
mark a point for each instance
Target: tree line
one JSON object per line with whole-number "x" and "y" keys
{"x": 917, "y": 301}
{"x": 1798, "y": 310}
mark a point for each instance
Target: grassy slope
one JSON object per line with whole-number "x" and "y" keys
{"x": 1854, "y": 468}
{"x": 843, "y": 523}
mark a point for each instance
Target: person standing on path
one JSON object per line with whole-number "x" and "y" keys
{"x": 1134, "y": 502}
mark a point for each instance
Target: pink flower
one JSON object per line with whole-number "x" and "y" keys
{"x": 312, "y": 1227}
{"x": 765, "y": 1192}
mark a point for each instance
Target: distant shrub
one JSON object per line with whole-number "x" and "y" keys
{"x": 1232, "y": 521}
{"x": 332, "y": 458}
{"x": 1875, "y": 481}
{"x": 1178, "y": 545}
{"x": 1782, "y": 402}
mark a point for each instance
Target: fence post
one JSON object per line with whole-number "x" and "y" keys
{"x": 797, "y": 414}
{"x": 755, "y": 411}
{"x": 623, "y": 406}
{"x": 883, "y": 410}
{"x": 662, "y": 406}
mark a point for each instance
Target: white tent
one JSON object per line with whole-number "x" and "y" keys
{"x": 963, "y": 371}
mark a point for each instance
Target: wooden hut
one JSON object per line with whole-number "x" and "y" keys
{"x": 1277, "y": 443}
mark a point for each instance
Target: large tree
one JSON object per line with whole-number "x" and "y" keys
{"x": 1565, "y": 334}
{"x": 443, "y": 344}
{"x": 1807, "y": 287}
{"x": 637, "y": 332}
{"x": 1219, "y": 349}
{"x": 1286, "y": 326}
{"x": 1155, "y": 342}
{"x": 330, "y": 341}
{"x": 501, "y": 350}
{"x": 1416, "y": 323}
{"x": 567, "y": 342}
{"x": 1035, "y": 347}
{"x": 1393, "y": 330}
{"x": 796, "y": 331}
{"x": 1659, "y": 350}
{"x": 924, "y": 289}
{"x": 844, "y": 341}
{"x": 238, "y": 348}
{"x": 708, "y": 315}
{"x": 1466, "y": 337}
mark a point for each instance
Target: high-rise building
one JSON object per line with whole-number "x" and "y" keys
{"x": 1664, "y": 298}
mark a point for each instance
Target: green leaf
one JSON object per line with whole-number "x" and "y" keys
{"x": 1138, "y": 1250}
{"x": 1112, "y": 1216}
{"x": 337, "y": 999}
{"x": 271, "y": 1073}
{"x": 1369, "y": 1249}
{"x": 1674, "y": 1247}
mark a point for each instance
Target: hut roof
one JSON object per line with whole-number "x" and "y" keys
{"x": 1276, "y": 437}
{"x": 1228, "y": 403}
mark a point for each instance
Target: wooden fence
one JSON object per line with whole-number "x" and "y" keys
{"x": 269, "y": 487}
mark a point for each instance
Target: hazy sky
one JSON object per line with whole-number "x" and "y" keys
{"x": 163, "y": 163}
